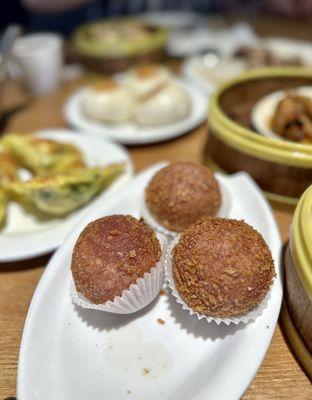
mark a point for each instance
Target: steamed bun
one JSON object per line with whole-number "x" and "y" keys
{"x": 169, "y": 105}
{"x": 108, "y": 101}
{"x": 144, "y": 81}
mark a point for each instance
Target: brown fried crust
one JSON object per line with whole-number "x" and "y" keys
{"x": 110, "y": 254}
{"x": 146, "y": 70}
{"x": 222, "y": 267}
{"x": 105, "y": 85}
{"x": 181, "y": 193}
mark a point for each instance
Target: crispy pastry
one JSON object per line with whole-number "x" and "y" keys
{"x": 182, "y": 193}
{"x": 110, "y": 254}
{"x": 222, "y": 267}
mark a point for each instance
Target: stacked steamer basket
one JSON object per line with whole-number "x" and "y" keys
{"x": 283, "y": 169}
{"x": 297, "y": 307}
{"x": 108, "y": 57}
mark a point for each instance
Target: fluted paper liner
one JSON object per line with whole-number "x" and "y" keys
{"x": 223, "y": 212}
{"x": 250, "y": 316}
{"x": 139, "y": 294}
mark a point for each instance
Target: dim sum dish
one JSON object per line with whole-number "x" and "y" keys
{"x": 3, "y": 206}
{"x": 241, "y": 135}
{"x": 181, "y": 194}
{"x": 45, "y": 189}
{"x": 61, "y": 194}
{"x": 146, "y": 95}
{"x": 8, "y": 173}
{"x": 143, "y": 105}
{"x": 114, "y": 45}
{"x": 143, "y": 81}
{"x": 108, "y": 101}
{"x": 8, "y": 168}
{"x": 223, "y": 62}
{"x": 109, "y": 257}
{"x": 42, "y": 156}
{"x": 285, "y": 115}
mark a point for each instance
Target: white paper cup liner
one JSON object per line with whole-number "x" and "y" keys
{"x": 223, "y": 212}
{"x": 139, "y": 294}
{"x": 151, "y": 221}
{"x": 250, "y": 316}
{"x": 226, "y": 201}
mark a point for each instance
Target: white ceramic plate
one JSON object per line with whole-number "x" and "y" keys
{"x": 264, "y": 109}
{"x": 171, "y": 19}
{"x": 24, "y": 236}
{"x": 207, "y": 79}
{"x": 206, "y": 35}
{"x": 68, "y": 353}
{"x": 285, "y": 48}
{"x": 130, "y": 133}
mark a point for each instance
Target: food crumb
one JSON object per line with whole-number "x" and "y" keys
{"x": 162, "y": 292}
{"x": 146, "y": 371}
{"x": 161, "y": 321}
{"x": 128, "y": 391}
{"x": 132, "y": 253}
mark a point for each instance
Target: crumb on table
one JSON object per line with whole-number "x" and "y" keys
{"x": 161, "y": 321}
{"x": 146, "y": 371}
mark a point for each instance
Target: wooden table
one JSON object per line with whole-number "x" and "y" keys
{"x": 279, "y": 377}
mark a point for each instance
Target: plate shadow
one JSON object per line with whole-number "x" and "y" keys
{"x": 199, "y": 328}
{"x": 105, "y": 321}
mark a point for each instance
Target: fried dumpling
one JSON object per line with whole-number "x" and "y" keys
{"x": 63, "y": 193}
{"x": 3, "y": 205}
{"x": 8, "y": 173}
{"x": 8, "y": 168}
{"x": 42, "y": 156}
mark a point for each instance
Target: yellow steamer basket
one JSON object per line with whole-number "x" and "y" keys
{"x": 111, "y": 58}
{"x": 297, "y": 307}
{"x": 283, "y": 169}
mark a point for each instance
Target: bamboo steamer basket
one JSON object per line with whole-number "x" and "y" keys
{"x": 283, "y": 169}
{"x": 110, "y": 61}
{"x": 297, "y": 307}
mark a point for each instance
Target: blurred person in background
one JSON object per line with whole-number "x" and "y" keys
{"x": 291, "y": 8}
{"x": 64, "y": 15}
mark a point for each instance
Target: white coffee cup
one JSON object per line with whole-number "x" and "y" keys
{"x": 38, "y": 61}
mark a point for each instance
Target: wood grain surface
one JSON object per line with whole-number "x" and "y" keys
{"x": 279, "y": 377}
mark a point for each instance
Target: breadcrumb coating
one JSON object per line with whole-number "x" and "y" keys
{"x": 110, "y": 254}
{"x": 182, "y": 193}
{"x": 222, "y": 267}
